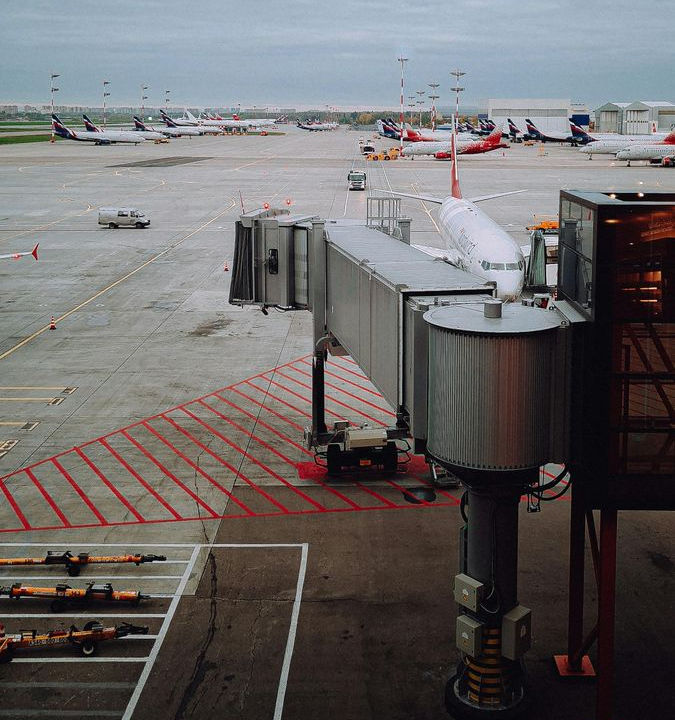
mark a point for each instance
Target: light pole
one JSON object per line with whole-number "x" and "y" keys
{"x": 411, "y": 104}
{"x": 52, "y": 90}
{"x": 420, "y": 93}
{"x": 420, "y": 103}
{"x": 105, "y": 95}
{"x": 401, "y": 118}
{"x": 166, "y": 101}
{"x": 433, "y": 99}
{"x": 144, "y": 97}
{"x": 457, "y": 90}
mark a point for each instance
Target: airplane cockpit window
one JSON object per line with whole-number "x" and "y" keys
{"x": 497, "y": 266}
{"x": 485, "y": 264}
{"x": 512, "y": 266}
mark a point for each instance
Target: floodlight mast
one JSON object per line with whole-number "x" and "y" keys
{"x": 105, "y": 95}
{"x": 144, "y": 97}
{"x": 52, "y": 90}
{"x": 457, "y": 90}
{"x": 433, "y": 99}
{"x": 401, "y": 117}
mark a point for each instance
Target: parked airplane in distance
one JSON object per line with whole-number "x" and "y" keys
{"x": 19, "y": 255}
{"x": 168, "y": 131}
{"x": 317, "y": 126}
{"x": 150, "y": 133}
{"x": 467, "y": 145}
{"x": 180, "y": 129}
{"x": 550, "y": 136}
{"x": 663, "y": 152}
{"x": 106, "y": 137}
{"x": 178, "y": 122}
{"x": 592, "y": 137}
{"x": 472, "y": 240}
{"x": 114, "y": 135}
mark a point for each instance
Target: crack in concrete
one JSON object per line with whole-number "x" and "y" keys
{"x": 192, "y": 696}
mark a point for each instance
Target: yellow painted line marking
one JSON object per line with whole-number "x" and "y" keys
{"x": 32, "y": 387}
{"x": 27, "y": 399}
{"x": 39, "y": 332}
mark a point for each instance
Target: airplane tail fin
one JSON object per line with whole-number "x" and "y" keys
{"x": 579, "y": 133}
{"x": 60, "y": 129}
{"x": 167, "y": 119}
{"x": 34, "y": 252}
{"x": 190, "y": 116}
{"x": 455, "y": 191}
{"x": 235, "y": 116}
{"x": 531, "y": 128}
{"x": 89, "y": 125}
{"x": 138, "y": 123}
{"x": 669, "y": 139}
{"x": 512, "y": 127}
{"x": 495, "y": 136}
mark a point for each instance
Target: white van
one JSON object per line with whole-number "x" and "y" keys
{"x": 122, "y": 217}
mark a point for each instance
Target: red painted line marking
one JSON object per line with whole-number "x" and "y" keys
{"x": 346, "y": 392}
{"x": 164, "y": 503}
{"x": 268, "y": 409}
{"x": 237, "y": 474}
{"x": 15, "y": 507}
{"x": 336, "y": 363}
{"x": 111, "y": 487}
{"x": 338, "y": 494}
{"x": 260, "y": 464}
{"x": 137, "y": 423}
{"x": 250, "y": 434}
{"x": 290, "y": 392}
{"x": 50, "y": 500}
{"x": 85, "y": 499}
{"x": 344, "y": 379}
{"x": 170, "y": 475}
{"x": 335, "y": 400}
{"x": 203, "y": 473}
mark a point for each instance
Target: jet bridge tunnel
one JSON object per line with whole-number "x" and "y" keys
{"x": 472, "y": 382}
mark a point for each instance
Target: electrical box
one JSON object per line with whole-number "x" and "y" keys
{"x": 365, "y": 437}
{"x": 469, "y": 635}
{"x": 468, "y": 592}
{"x": 516, "y": 632}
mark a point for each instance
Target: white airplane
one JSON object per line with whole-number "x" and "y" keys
{"x": 19, "y": 255}
{"x": 613, "y": 146}
{"x": 167, "y": 131}
{"x": 106, "y": 137}
{"x": 651, "y": 152}
{"x": 180, "y": 122}
{"x": 113, "y": 135}
{"x": 149, "y": 133}
{"x": 471, "y": 145}
{"x": 473, "y": 241}
{"x": 591, "y": 137}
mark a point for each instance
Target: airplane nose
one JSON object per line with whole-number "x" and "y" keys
{"x": 509, "y": 287}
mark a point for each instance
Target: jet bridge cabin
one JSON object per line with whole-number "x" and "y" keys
{"x": 367, "y": 291}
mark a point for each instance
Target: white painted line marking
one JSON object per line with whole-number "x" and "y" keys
{"x": 290, "y": 643}
{"x": 145, "y": 674}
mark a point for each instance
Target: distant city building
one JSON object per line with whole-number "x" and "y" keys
{"x": 546, "y": 113}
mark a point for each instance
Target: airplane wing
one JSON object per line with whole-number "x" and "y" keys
{"x": 425, "y": 198}
{"x": 480, "y": 198}
{"x": 18, "y": 255}
{"x": 438, "y": 253}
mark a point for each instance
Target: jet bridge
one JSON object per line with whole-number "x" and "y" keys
{"x": 368, "y": 293}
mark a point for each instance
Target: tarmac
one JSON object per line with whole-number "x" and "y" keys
{"x": 157, "y": 418}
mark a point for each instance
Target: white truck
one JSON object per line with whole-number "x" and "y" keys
{"x": 122, "y": 217}
{"x": 356, "y": 180}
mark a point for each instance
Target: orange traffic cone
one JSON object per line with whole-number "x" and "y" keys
{"x": 52, "y": 324}
{"x": 226, "y": 267}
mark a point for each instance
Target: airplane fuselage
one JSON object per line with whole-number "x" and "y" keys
{"x": 476, "y": 243}
{"x": 637, "y": 151}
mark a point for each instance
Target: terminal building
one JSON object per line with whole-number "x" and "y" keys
{"x": 636, "y": 118}
{"x": 547, "y": 114}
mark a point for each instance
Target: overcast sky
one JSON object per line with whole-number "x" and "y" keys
{"x": 342, "y": 52}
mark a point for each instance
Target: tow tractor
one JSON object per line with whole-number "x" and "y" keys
{"x": 74, "y": 563}
{"x": 64, "y": 595}
{"x": 85, "y": 640}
